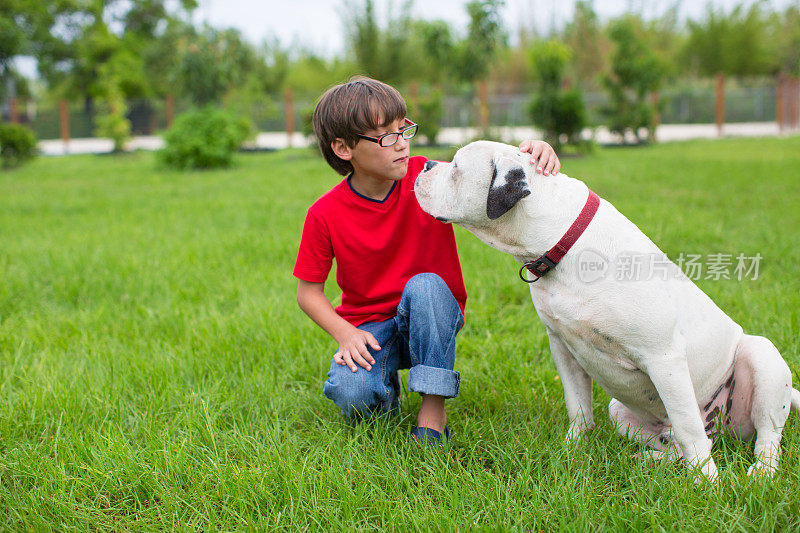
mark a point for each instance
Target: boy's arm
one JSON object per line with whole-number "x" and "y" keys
{"x": 548, "y": 160}
{"x": 352, "y": 341}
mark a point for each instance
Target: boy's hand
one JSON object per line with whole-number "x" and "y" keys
{"x": 353, "y": 349}
{"x": 548, "y": 160}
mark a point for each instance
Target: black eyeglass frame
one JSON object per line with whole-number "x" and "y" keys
{"x": 412, "y": 127}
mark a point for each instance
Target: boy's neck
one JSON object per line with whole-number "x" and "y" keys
{"x": 372, "y": 187}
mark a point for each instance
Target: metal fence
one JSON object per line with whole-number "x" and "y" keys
{"x": 691, "y": 105}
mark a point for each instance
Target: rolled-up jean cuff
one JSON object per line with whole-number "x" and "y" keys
{"x": 433, "y": 380}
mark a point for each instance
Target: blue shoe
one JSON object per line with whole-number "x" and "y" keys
{"x": 429, "y": 437}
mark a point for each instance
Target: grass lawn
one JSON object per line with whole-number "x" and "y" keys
{"x": 156, "y": 372}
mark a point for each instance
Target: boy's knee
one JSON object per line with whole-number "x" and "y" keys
{"x": 353, "y": 394}
{"x": 428, "y": 293}
{"x": 425, "y": 284}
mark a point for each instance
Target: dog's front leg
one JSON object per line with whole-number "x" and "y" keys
{"x": 577, "y": 388}
{"x": 670, "y": 375}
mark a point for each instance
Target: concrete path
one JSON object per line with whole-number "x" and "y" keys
{"x": 454, "y": 136}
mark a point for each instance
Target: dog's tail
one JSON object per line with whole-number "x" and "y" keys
{"x": 795, "y": 400}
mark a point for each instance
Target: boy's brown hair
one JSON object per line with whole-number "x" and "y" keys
{"x": 352, "y": 108}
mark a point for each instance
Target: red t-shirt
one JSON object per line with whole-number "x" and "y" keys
{"x": 378, "y": 247}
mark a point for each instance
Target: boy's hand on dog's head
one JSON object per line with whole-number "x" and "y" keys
{"x": 353, "y": 349}
{"x": 547, "y": 159}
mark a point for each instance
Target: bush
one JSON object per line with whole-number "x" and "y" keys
{"x": 17, "y": 145}
{"x": 115, "y": 76}
{"x": 307, "y": 122}
{"x": 204, "y": 138}
{"x": 111, "y": 122}
{"x": 636, "y": 72}
{"x": 557, "y": 111}
{"x": 429, "y": 114}
{"x": 114, "y": 126}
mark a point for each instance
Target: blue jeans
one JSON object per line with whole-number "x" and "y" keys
{"x": 421, "y": 337}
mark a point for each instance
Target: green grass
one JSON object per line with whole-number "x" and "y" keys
{"x": 156, "y": 372}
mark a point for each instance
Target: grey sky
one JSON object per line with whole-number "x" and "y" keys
{"x": 318, "y": 23}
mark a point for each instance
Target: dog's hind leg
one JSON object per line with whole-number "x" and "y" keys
{"x": 770, "y": 399}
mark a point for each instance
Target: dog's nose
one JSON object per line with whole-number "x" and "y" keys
{"x": 429, "y": 165}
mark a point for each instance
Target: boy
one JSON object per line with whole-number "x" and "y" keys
{"x": 403, "y": 294}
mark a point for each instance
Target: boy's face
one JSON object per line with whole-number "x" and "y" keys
{"x": 370, "y": 160}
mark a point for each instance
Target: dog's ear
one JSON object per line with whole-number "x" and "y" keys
{"x": 509, "y": 185}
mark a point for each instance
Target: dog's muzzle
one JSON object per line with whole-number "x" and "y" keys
{"x": 429, "y": 165}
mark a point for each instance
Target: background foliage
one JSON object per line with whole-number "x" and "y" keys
{"x": 556, "y": 110}
{"x": 17, "y": 145}
{"x": 149, "y": 49}
{"x": 204, "y": 138}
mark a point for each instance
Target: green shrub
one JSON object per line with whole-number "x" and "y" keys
{"x": 111, "y": 122}
{"x": 549, "y": 59}
{"x": 307, "y": 121}
{"x": 17, "y": 144}
{"x": 429, "y": 115}
{"x": 557, "y": 111}
{"x": 116, "y": 77}
{"x": 204, "y": 138}
{"x": 636, "y": 72}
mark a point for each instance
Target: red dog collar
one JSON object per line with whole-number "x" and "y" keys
{"x": 543, "y": 265}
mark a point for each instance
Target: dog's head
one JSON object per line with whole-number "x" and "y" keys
{"x": 484, "y": 182}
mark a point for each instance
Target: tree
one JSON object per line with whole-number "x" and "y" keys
{"x": 111, "y": 122}
{"x": 475, "y": 53}
{"x": 437, "y": 50}
{"x": 98, "y": 52}
{"x": 382, "y": 53}
{"x": 748, "y": 38}
{"x": 13, "y": 42}
{"x": 72, "y": 39}
{"x": 158, "y": 36}
{"x": 557, "y": 111}
{"x": 26, "y": 29}
{"x": 484, "y": 35}
{"x": 666, "y": 35}
{"x": 365, "y": 37}
{"x": 203, "y": 73}
{"x": 787, "y": 39}
{"x": 310, "y": 74}
{"x": 217, "y": 63}
{"x": 736, "y": 44}
{"x": 635, "y": 73}
{"x": 585, "y": 37}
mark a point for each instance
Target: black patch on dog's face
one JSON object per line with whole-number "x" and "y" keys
{"x": 501, "y": 199}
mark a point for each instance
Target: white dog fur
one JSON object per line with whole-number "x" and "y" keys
{"x": 676, "y": 365}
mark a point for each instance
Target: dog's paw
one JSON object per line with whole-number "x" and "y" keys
{"x": 705, "y": 471}
{"x": 651, "y": 456}
{"x": 578, "y": 431}
{"x": 762, "y": 470}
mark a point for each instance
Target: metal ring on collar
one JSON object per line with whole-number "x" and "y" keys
{"x": 523, "y": 277}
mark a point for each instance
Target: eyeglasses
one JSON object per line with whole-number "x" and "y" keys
{"x": 388, "y": 139}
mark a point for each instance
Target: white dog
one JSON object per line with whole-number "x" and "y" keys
{"x": 678, "y": 368}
